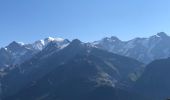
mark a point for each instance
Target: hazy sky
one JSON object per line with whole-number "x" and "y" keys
{"x": 88, "y": 20}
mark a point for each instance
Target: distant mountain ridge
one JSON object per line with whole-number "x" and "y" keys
{"x": 17, "y": 53}
{"x": 142, "y": 49}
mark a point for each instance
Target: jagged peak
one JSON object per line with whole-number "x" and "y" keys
{"x": 162, "y": 34}
{"x": 14, "y": 43}
{"x": 114, "y": 38}
{"x": 76, "y": 41}
{"x": 39, "y": 41}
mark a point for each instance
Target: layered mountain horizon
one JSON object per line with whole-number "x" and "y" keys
{"x": 74, "y": 72}
{"x": 108, "y": 69}
{"x": 144, "y": 50}
{"x": 46, "y": 40}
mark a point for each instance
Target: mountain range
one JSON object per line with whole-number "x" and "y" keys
{"x": 17, "y": 53}
{"x": 145, "y": 50}
{"x": 108, "y": 69}
{"x": 74, "y": 73}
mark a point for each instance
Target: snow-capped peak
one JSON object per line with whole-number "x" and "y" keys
{"x": 142, "y": 49}
{"x": 54, "y": 39}
{"x": 21, "y": 43}
{"x": 51, "y": 38}
{"x": 40, "y": 44}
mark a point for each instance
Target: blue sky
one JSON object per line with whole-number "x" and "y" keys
{"x": 88, "y": 20}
